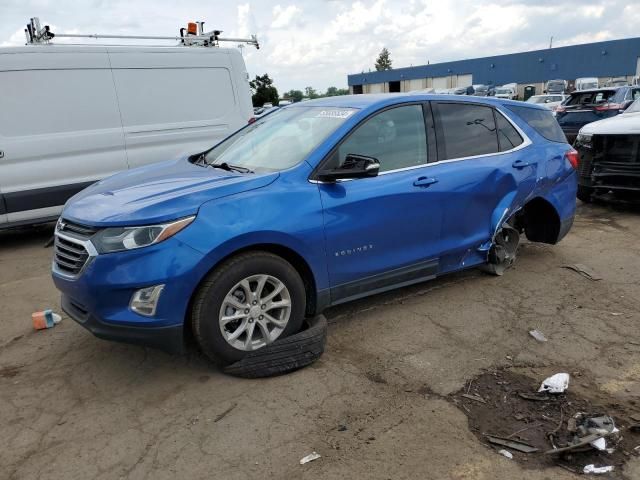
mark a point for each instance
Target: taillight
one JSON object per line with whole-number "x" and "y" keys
{"x": 251, "y": 120}
{"x": 573, "y": 158}
{"x": 609, "y": 106}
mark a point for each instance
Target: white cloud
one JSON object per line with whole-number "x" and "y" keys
{"x": 17, "y": 38}
{"x": 283, "y": 16}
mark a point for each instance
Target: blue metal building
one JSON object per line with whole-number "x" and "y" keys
{"x": 602, "y": 59}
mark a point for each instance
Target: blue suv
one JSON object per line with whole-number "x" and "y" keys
{"x": 317, "y": 204}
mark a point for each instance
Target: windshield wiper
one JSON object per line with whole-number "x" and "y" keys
{"x": 231, "y": 168}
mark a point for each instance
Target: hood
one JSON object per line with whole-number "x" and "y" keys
{"x": 625, "y": 123}
{"x": 157, "y": 193}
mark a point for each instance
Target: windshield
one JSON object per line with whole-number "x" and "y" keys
{"x": 634, "y": 107}
{"x": 537, "y": 99}
{"x": 503, "y": 90}
{"x": 280, "y": 140}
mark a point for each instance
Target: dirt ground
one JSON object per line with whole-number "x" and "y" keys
{"x": 377, "y": 405}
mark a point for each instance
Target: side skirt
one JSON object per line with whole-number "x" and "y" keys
{"x": 385, "y": 281}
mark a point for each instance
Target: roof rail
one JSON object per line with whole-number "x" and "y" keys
{"x": 192, "y": 36}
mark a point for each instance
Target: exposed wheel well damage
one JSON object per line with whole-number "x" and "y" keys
{"x": 289, "y": 255}
{"x": 540, "y": 221}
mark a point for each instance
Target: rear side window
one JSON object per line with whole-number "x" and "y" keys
{"x": 508, "y": 136}
{"x": 464, "y": 130}
{"x": 542, "y": 121}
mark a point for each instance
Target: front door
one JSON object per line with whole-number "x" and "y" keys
{"x": 382, "y": 231}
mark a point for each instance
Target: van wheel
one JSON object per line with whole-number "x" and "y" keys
{"x": 584, "y": 194}
{"x": 245, "y": 304}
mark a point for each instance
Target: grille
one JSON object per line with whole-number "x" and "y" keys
{"x": 69, "y": 256}
{"x": 83, "y": 231}
{"x": 616, "y": 162}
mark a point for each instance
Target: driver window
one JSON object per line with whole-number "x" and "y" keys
{"x": 395, "y": 137}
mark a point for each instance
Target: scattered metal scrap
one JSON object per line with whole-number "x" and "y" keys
{"x": 588, "y": 432}
{"x": 583, "y": 270}
{"x": 476, "y": 398}
{"x": 512, "y": 444}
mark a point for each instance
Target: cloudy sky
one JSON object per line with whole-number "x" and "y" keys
{"x": 318, "y": 42}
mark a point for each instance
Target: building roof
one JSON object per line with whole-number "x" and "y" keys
{"x": 600, "y": 59}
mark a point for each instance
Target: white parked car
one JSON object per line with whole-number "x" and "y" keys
{"x": 609, "y": 152}
{"x": 509, "y": 91}
{"x": 72, "y": 115}
{"x": 549, "y": 101}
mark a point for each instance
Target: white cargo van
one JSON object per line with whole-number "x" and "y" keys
{"x": 72, "y": 115}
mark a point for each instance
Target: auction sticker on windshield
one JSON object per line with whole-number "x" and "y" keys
{"x": 335, "y": 114}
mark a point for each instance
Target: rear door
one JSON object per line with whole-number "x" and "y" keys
{"x": 483, "y": 173}
{"x": 175, "y": 102}
{"x": 384, "y": 230}
{"x": 60, "y": 129}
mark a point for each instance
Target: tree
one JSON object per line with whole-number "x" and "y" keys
{"x": 334, "y": 92}
{"x": 263, "y": 91}
{"x": 311, "y": 92}
{"x": 384, "y": 60}
{"x": 294, "y": 95}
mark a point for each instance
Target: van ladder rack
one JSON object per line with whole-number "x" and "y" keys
{"x": 192, "y": 36}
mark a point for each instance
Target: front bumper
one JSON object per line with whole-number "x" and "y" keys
{"x": 169, "y": 339}
{"x": 99, "y": 297}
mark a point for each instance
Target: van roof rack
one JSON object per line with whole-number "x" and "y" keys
{"x": 192, "y": 36}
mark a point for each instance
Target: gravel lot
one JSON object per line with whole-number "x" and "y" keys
{"x": 73, "y": 406}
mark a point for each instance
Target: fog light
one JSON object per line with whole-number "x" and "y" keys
{"x": 145, "y": 300}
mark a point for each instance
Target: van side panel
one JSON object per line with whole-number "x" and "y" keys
{"x": 176, "y": 103}
{"x": 60, "y": 130}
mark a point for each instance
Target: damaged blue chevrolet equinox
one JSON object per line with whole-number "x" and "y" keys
{"x": 317, "y": 204}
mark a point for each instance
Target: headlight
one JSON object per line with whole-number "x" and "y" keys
{"x": 116, "y": 239}
{"x": 584, "y": 139}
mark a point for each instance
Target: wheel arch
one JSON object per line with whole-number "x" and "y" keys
{"x": 286, "y": 252}
{"x": 540, "y": 221}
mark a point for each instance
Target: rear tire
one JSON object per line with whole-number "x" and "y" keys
{"x": 584, "y": 194}
{"x": 235, "y": 289}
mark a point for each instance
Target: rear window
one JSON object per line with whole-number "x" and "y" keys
{"x": 591, "y": 98}
{"x": 542, "y": 121}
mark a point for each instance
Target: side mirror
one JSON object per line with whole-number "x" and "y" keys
{"x": 354, "y": 166}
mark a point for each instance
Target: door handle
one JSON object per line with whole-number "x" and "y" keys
{"x": 425, "y": 181}
{"x": 522, "y": 163}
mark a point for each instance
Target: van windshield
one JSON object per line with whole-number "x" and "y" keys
{"x": 280, "y": 140}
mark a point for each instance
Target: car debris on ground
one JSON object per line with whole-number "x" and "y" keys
{"x": 310, "y": 458}
{"x": 538, "y": 335}
{"x": 554, "y": 426}
{"x": 596, "y": 470}
{"x": 45, "y": 319}
{"x": 583, "y": 270}
{"x": 506, "y": 453}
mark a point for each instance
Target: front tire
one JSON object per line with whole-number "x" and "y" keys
{"x": 246, "y": 303}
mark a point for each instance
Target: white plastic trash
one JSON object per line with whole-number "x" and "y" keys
{"x": 310, "y": 458}
{"x": 538, "y": 335}
{"x": 506, "y": 453}
{"x": 599, "y": 444}
{"x": 557, "y": 383}
{"x": 596, "y": 470}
